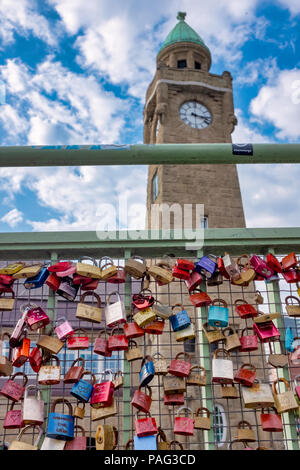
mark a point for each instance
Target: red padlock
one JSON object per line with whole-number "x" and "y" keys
{"x": 81, "y": 280}
{"x": 59, "y": 267}
{"x": 180, "y": 273}
{"x": 119, "y": 277}
{"x": 145, "y": 426}
{"x": 155, "y": 328}
{"x": 101, "y": 345}
{"x": 79, "y": 442}
{"x": 200, "y": 299}
{"x": 21, "y": 353}
{"x": 53, "y": 282}
{"x": 297, "y": 387}
{"x": 290, "y": 261}
{"x": 193, "y": 281}
{"x": 185, "y": 264}
{"x": 36, "y": 359}
{"x": 181, "y": 368}
{"x": 271, "y": 422}
{"x": 91, "y": 285}
{"x": 221, "y": 268}
{"x": 78, "y": 342}
{"x": 13, "y": 418}
{"x": 184, "y": 426}
{"x": 248, "y": 342}
{"x": 12, "y": 390}
{"x": 36, "y": 318}
{"x": 142, "y": 301}
{"x": 245, "y": 310}
{"x": 117, "y": 342}
{"x": 142, "y": 401}
{"x": 174, "y": 399}
{"x": 75, "y": 372}
{"x": 245, "y": 375}
{"x": 103, "y": 393}
{"x": 273, "y": 263}
{"x": 6, "y": 280}
{"x": 132, "y": 329}
{"x": 291, "y": 276}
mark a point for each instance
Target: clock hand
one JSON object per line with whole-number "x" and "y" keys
{"x": 202, "y": 117}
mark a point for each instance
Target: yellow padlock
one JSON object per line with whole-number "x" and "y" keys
{"x": 106, "y": 437}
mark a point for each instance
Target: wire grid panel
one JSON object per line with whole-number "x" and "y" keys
{"x": 225, "y": 414}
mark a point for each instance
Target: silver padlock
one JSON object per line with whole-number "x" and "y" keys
{"x": 33, "y": 407}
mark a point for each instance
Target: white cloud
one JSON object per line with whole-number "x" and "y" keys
{"x": 12, "y": 218}
{"x": 257, "y": 70}
{"x": 276, "y": 104}
{"x": 245, "y": 132}
{"x": 292, "y": 5}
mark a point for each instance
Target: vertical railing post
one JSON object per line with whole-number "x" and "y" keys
{"x": 126, "y": 365}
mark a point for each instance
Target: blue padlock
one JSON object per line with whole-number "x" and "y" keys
{"x": 38, "y": 280}
{"x": 181, "y": 320}
{"x": 147, "y": 371}
{"x": 206, "y": 266}
{"x": 218, "y": 316}
{"x": 145, "y": 443}
{"x": 61, "y": 426}
{"x": 82, "y": 390}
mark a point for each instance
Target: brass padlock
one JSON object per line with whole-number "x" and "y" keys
{"x": 197, "y": 378}
{"x": 89, "y": 313}
{"x": 88, "y": 270}
{"x": 105, "y": 412}
{"x": 27, "y": 271}
{"x": 213, "y": 335}
{"x": 80, "y": 412}
{"x": 161, "y": 440}
{"x": 229, "y": 391}
{"x": 160, "y": 364}
{"x": 50, "y": 343}
{"x": 202, "y": 422}
{"x": 12, "y": 268}
{"x": 245, "y": 434}
{"x": 284, "y": 401}
{"x": 136, "y": 269}
{"x": 161, "y": 272}
{"x": 133, "y": 353}
{"x": 18, "y": 445}
{"x": 232, "y": 341}
{"x": 106, "y": 437}
{"x": 173, "y": 384}
{"x": 6, "y": 303}
{"x": 144, "y": 317}
{"x": 186, "y": 333}
{"x": 118, "y": 379}
{"x": 108, "y": 269}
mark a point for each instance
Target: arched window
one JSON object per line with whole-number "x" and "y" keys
{"x": 154, "y": 187}
{"x": 219, "y": 425}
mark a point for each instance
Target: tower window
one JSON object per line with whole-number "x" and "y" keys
{"x": 197, "y": 65}
{"x": 181, "y": 64}
{"x": 154, "y": 187}
{"x": 204, "y": 222}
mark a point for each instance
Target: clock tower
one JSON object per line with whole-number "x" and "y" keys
{"x": 185, "y": 103}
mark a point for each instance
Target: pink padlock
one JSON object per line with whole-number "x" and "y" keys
{"x": 266, "y": 332}
{"x": 36, "y": 318}
{"x": 261, "y": 267}
{"x": 194, "y": 281}
{"x": 68, "y": 272}
{"x": 103, "y": 392}
{"x": 64, "y": 330}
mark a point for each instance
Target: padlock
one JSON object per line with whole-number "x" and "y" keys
{"x": 132, "y": 330}
{"x": 79, "y": 442}
{"x": 105, "y": 412}
{"x": 136, "y": 267}
{"x": 59, "y": 266}
{"x": 197, "y": 378}
{"x": 222, "y": 369}
{"x": 221, "y": 268}
{"x": 82, "y": 390}
{"x": 61, "y": 425}
{"x": 246, "y": 446}
{"x": 297, "y": 387}
{"x": 38, "y": 280}
{"x": 194, "y": 281}
{"x": 206, "y": 266}
{"x": 89, "y": 313}
{"x": 258, "y": 396}
{"x": 265, "y": 317}
{"x": 290, "y": 261}
{"x": 144, "y": 443}
{"x": 101, "y": 345}
{"x": 160, "y": 364}
{"x": 277, "y": 359}
{"x": 117, "y": 342}
{"x": 266, "y": 331}
{"x": 64, "y": 330}
{"x": 49, "y": 374}
{"x": 36, "y": 318}
{"x": 292, "y": 310}
{"x": 294, "y": 356}
{"x": 75, "y": 372}
{"x": 33, "y": 407}
{"x": 50, "y": 344}
{"x": 292, "y": 276}
{"x": 16, "y": 336}
{"x": 145, "y": 426}
{"x": 108, "y": 269}
{"x": 88, "y": 270}
{"x": 12, "y": 390}
{"x": 119, "y": 277}
{"x": 142, "y": 400}
{"x": 213, "y": 335}
{"x": 147, "y": 371}
{"x": 106, "y": 437}
{"x": 118, "y": 379}
{"x": 248, "y": 342}
{"x": 202, "y": 422}
{"x": 284, "y": 401}
{"x": 174, "y": 399}
{"x": 185, "y": 264}
{"x": 232, "y": 340}
{"x": 187, "y": 333}
{"x": 81, "y": 280}
{"x": 79, "y": 411}
{"x": 21, "y": 353}
{"x": 13, "y": 418}
{"x": 218, "y": 316}
{"x": 53, "y": 444}
{"x": 274, "y": 278}
{"x": 199, "y": 298}
{"x": 261, "y": 267}
{"x": 6, "y": 280}
{"x": 133, "y": 353}
{"x": 173, "y": 384}
{"x": 258, "y": 298}
{"x": 6, "y": 303}
{"x": 114, "y": 313}
{"x": 180, "y": 273}
{"x": 184, "y": 426}
{"x": 19, "y": 445}
{"x": 78, "y": 343}
{"x": 103, "y": 392}
{"x": 161, "y": 273}
{"x": 175, "y": 444}
{"x": 162, "y": 311}
{"x": 271, "y": 422}
{"x": 155, "y": 328}
{"x": 245, "y": 375}
{"x": 12, "y": 268}
{"x": 67, "y": 272}
{"x": 6, "y": 367}
{"x": 231, "y": 267}
{"x": 35, "y": 359}
{"x": 216, "y": 279}
{"x": 273, "y": 263}
{"x": 245, "y": 432}
{"x": 181, "y": 320}
{"x": 90, "y": 286}
{"x": 144, "y": 317}
{"x": 161, "y": 440}
{"x": 245, "y": 310}
{"x": 144, "y": 299}
{"x": 53, "y": 282}
{"x": 246, "y": 272}
{"x": 229, "y": 391}
{"x": 67, "y": 289}
{"x": 27, "y": 271}
{"x": 181, "y": 368}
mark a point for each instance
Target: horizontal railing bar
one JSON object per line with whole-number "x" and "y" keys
{"x": 40, "y": 245}
{"x": 175, "y": 154}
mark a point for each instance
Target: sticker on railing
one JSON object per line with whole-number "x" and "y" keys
{"x": 242, "y": 149}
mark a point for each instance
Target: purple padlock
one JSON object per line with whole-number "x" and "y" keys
{"x": 36, "y": 318}
{"x": 261, "y": 267}
{"x": 64, "y": 330}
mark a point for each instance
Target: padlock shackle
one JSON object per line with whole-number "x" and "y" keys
{"x": 140, "y": 411}
{"x": 201, "y": 410}
{"x": 7, "y": 334}
{"x": 185, "y": 355}
{"x": 132, "y": 342}
{"x": 184, "y": 408}
{"x": 247, "y": 257}
{"x": 231, "y": 329}
{"x": 246, "y": 329}
{"x": 176, "y": 443}
{"x": 116, "y": 328}
{"x": 64, "y": 402}
{"x": 101, "y": 333}
{"x": 119, "y": 373}
{"x": 109, "y": 371}
{"x": 164, "y": 264}
{"x": 221, "y": 301}
{"x": 88, "y": 372}
{"x": 158, "y": 354}
{"x": 79, "y": 359}
{"x": 80, "y": 329}
{"x": 128, "y": 443}
{"x": 109, "y": 263}
{"x": 25, "y": 378}
{"x": 270, "y": 408}
{"x": 92, "y": 293}
{"x": 243, "y": 423}
{"x": 87, "y": 258}
{"x": 280, "y": 380}
{"x": 242, "y": 301}
{"x": 49, "y": 359}
{"x": 291, "y": 297}
{"x": 59, "y": 319}
{"x": 177, "y": 305}
{"x": 29, "y": 427}
{"x": 112, "y": 293}
{"x": 32, "y": 387}
{"x": 77, "y": 426}
{"x": 217, "y": 351}
{"x": 30, "y": 305}
{"x": 161, "y": 434}
{"x": 251, "y": 366}
{"x": 8, "y": 292}
{"x": 199, "y": 367}
{"x": 148, "y": 388}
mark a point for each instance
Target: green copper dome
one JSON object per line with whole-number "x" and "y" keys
{"x": 182, "y": 32}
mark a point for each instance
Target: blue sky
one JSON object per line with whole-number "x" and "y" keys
{"x": 76, "y": 72}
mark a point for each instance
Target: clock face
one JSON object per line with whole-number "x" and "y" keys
{"x": 195, "y": 115}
